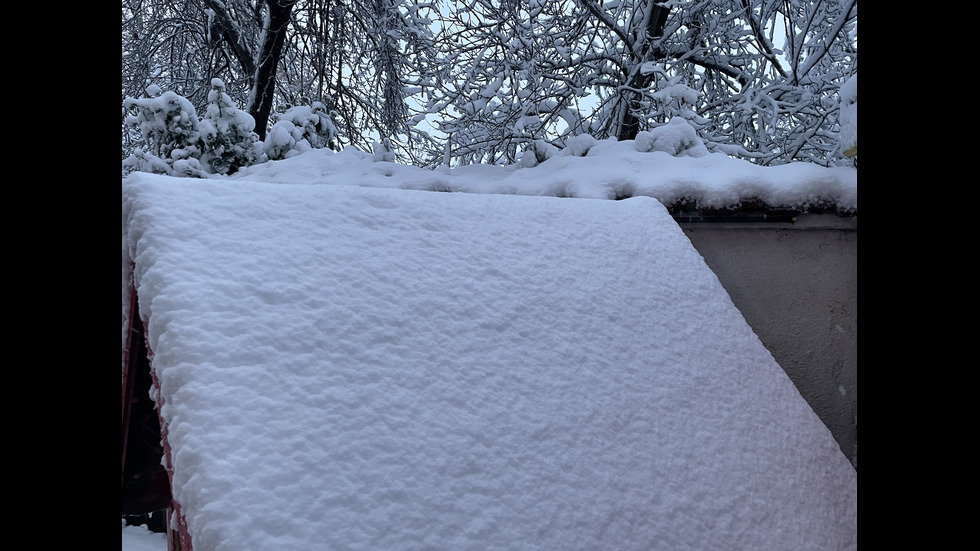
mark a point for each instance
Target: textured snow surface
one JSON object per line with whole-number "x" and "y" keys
{"x": 368, "y": 368}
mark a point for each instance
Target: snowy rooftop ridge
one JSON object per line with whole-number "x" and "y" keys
{"x": 358, "y": 367}
{"x": 666, "y": 164}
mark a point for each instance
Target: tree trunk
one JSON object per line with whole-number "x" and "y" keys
{"x": 629, "y": 124}
{"x": 264, "y": 86}
{"x": 229, "y": 33}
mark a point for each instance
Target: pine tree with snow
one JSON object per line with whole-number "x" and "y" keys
{"x": 168, "y": 124}
{"x": 176, "y": 142}
{"x": 299, "y": 129}
{"x": 227, "y": 134}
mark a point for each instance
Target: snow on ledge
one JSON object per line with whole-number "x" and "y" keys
{"x": 607, "y": 170}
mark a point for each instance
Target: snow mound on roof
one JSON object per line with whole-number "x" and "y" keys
{"x": 593, "y": 169}
{"x": 360, "y": 368}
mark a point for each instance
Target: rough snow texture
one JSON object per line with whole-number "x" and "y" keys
{"x": 359, "y": 368}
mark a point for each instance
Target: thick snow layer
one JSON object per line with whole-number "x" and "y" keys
{"x": 367, "y": 368}
{"x": 605, "y": 169}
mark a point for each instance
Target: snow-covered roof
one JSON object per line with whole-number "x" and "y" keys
{"x": 367, "y": 367}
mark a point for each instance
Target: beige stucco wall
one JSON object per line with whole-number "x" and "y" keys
{"x": 796, "y": 286}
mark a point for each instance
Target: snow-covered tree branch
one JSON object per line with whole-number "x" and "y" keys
{"x": 484, "y": 80}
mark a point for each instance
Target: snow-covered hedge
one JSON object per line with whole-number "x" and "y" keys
{"x": 177, "y": 142}
{"x": 300, "y": 129}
